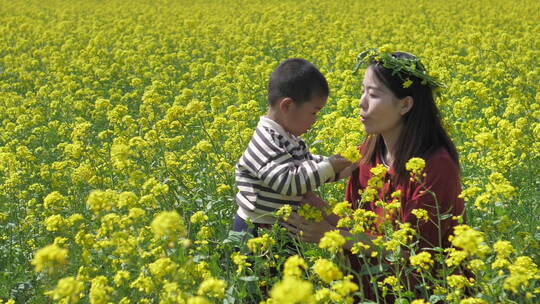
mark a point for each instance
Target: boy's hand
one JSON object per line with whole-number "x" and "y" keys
{"x": 338, "y": 162}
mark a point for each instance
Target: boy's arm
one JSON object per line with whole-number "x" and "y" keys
{"x": 275, "y": 167}
{"x": 315, "y": 157}
{"x": 282, "y": 175}
{"x": 345, "y": 173}
{"x": 287, "y": 178}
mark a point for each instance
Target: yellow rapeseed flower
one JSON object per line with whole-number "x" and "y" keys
{"x": 294, "y": 266}
{"x": 521, "y": 272}
{"x": 310, "y": 213}
{"x": 342, "y": 209}
{"x": 472, "y": 301}
{"x": 198, "y": 300}
{"x": 421, "y": 214}
{"x": 458, "y": 281}
{"x": 284, "y": 212}
{"x": 168, "y": 225}
{"x": 332, "y": 241}
{"x": 503, "y": 249}
{"x": 421, "y": 261}
{"x": 351, "y": 153}
{"x": 455, "y": 257}
{"x": 68, "y": 289}
{"x": 120, "y": 277}
{"x": 54, "y": 222}
{"x": 101, "y": 200}
{"x": 162, "y": 267}
{"x": 212, "y": 287}
{"x": 345, "y": 287}
{"x": 260, "y": 244}
{"x": 54, "y": 201}
{"x": 240, "y": 261}
{"x": 415, "y": 165}
{"x": 407, "y": 83}
{"x": 292, "y": 290}
{"x": 327, "y": 270}
{"x": 50, "y": 258}
{"x": 468, "y": 239}
{"x": 99, "y": 291}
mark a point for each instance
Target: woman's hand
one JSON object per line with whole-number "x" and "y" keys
{"x": 312, "y": 199}
{"x": 305, "y": 230}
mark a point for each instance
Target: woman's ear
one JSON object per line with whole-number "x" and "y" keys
{"x": 406, "y": 105}
{"x": 285, "y": 104}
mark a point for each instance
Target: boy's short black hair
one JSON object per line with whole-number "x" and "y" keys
{"x": 297, "y": 79}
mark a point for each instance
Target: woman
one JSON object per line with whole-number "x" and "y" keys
{"x": 402, "y": 121}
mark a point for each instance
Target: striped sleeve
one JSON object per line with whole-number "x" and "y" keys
{"x": 315, "y": 157}
{"x": 318, "y": 159}
{"x": 275, "y": 167}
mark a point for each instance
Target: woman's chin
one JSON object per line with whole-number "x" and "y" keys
{"x": 368, "y": 131}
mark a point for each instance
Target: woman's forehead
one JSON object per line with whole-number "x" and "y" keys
{"x": 372, "y": 81}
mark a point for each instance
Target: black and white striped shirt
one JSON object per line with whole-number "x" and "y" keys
{"x": 276, "y": 169}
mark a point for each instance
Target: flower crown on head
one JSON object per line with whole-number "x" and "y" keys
{"x": 403, "y": 67}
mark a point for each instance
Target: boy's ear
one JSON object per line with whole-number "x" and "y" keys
{"x": 406, "y": 105}
{"x": 285, "y": 104}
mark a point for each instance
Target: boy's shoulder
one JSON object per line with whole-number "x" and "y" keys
{"x": 271, "y": 128}
{"x": 273, "y": 133}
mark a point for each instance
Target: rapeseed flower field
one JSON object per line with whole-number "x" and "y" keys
{"x": 121, "y": 123}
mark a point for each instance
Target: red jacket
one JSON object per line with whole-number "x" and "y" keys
{"x": 442, "y": 178}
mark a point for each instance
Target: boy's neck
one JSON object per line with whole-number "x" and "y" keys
{"x": 276, "y": 117}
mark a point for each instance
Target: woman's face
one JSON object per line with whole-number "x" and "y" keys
{"x": 380, "y": 110}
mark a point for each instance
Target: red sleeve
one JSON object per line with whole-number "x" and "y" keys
{"x": 443, "y": 187}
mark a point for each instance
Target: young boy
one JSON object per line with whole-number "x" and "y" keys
{"x": 277, "y": 169}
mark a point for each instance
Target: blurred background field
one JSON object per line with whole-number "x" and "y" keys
{"x": 112, "y": 112}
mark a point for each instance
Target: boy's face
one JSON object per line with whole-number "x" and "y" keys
{"x": 301, "y": 117}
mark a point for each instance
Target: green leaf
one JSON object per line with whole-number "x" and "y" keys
{"x": 436, "y": 298}
{"x": 249, "y": 278}
{"x": 446, "y": 216}
{"x": 408, "y": 294}
{"x": 374, "y": 269}
{"x": 236, "y": 237}
{"x": 393, "y": 256}
{"x": 500, "y": 210}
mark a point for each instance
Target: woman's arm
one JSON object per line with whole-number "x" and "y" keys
{"x": 312, "y": 199}
{"x": 312, "y": 232}
{"x": 438, "y": 195}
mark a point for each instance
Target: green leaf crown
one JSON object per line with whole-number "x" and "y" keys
{"x": 403, "y": 67}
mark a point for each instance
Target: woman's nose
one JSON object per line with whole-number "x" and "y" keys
{"x": 362, "y": 102}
